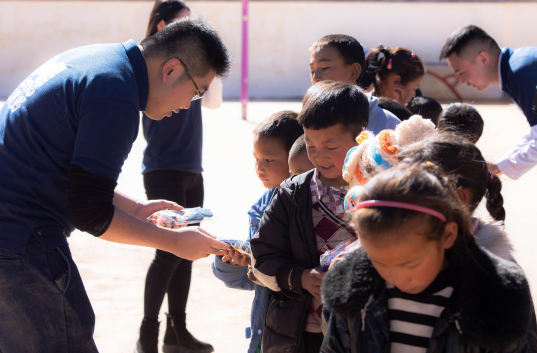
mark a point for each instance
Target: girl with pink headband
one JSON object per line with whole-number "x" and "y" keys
{"x": 420, "y": 283}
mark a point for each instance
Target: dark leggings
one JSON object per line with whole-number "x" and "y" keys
{"x": 169, "y": 273}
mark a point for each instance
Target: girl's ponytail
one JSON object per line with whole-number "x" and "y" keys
{"x": 376, "y": 62}
{"x": 381, "y": 62}
{"x": 495, "y": 198}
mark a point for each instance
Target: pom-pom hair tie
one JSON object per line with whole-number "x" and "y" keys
{"x": 413, "y": 55}
{"x": 390, "y": 64}
{"x": 403, "y": 205}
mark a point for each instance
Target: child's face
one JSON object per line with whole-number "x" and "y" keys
{"x": 299, "y": 163}
{"x": 328, "y": 64}
{"x": 413, "y": 263}
{"x": 270, "y": 161}
{"x": 327, "y": 149}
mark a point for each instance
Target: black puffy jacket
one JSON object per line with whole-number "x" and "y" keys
{"x": 490, "y": 311}
{"x": 282, "y": 249}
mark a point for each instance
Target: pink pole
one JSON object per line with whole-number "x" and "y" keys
{"x": 244, "y": 61}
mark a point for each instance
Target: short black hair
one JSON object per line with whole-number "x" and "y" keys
{"x": 468, "y": 37}
{"x": 283, "y": 126}
{"x": 427, "y": 107}
{"x": 299, "y": 146}
{"x": 193, "y": 41}
{"x": 395, "y": 108}
{"x": 349, "y": 48}
{"x": 462, "y": 119}
{"x": 329, "y": 103}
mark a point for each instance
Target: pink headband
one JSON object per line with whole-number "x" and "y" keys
{"x": 408, "y": 206}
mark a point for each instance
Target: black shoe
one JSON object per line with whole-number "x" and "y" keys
{"x": 178, "y": 340}
{"x": 148, "y": 341}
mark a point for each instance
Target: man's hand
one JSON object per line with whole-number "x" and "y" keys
{"x": 193, "y": 243}
{"x": 235, "y": 257}
{"x": 145, "y": 209}
{"x": 494, "y": 169}
{"x": 312, "y": 278}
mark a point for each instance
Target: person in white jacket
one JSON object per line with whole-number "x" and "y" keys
{"x": 477, "y": 60}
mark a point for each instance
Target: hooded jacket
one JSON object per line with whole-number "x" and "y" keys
{"x": 490, "y": 310}
{"x": 282, "y": 249}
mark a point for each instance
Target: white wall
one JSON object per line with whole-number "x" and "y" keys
{"x": 280, "y": 33}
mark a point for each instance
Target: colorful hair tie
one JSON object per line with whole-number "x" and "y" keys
{"x": 403, "y": 205}
{"x": 377, "y": 153}
{"x": 390, "y": 64}
{"x": 413, "y": 55}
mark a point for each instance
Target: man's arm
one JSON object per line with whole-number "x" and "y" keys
{"x": 191, "y": 243}
{"x": 521, "y": 158}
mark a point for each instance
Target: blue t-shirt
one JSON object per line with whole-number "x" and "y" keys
{"x": 175, "y": 142}
{"x": 83, "y": 106}
{"x": 518, "y": 70}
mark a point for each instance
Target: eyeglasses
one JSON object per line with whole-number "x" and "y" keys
{"x": 198, "y": 95}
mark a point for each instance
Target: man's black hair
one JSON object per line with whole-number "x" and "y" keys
{"x": 299, "y": 146}
{"x": 395, "y": 108}
{"x": 427, "y": 107}
{"x": 283, "y": 126}
{"x": 330, "y": 103}
{"x": 468, "y": 37}
{"x": 193, "y": 41}
{"x": 348, "y": 47}
{"x": 462, "y": 119}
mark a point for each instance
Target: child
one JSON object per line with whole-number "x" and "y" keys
{"x": 475, "y": 57}
{"x": 463, "y": 119}
{"x": 427, "y": 107}
{"x": 339, "y": 57}
{"x": 396, "y": 108}
{"x": 420, "y": 283}
{"x": 395, "y": 73}
{"x": 272, "y": 141}
{"x": 306, "y": 218}
{"x": 462, "y": 160}
{"x": 299, "y": 162}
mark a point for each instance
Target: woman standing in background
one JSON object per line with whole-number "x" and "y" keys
{"x": 172, "y": 171}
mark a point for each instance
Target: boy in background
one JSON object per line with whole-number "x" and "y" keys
{"x": 338, "y": 57}
{"x": 306, "y": 218}
{"x": 427, "y": 107}
{"x": 463, "y": 119}
{"x": 394, "y": 107}
{"x": 273, "y": 139}
{"x": 299, "y": 162}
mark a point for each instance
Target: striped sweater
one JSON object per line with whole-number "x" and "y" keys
{"x": 414, "y": 316}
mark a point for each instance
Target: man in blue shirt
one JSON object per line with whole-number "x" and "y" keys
{"x": 64, "y": 135}
{"x": 478, "y": 61}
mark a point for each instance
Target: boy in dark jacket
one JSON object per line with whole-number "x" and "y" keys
{"x": 306, "y": 218}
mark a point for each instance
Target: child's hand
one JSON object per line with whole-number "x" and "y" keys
{"x": 312, "y": 278}
{"x": 400, "y": 94}
{"x": 235, "y": 257}
{"x": 338, "y": 258}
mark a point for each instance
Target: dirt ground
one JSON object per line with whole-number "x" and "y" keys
{"x": 114, "y": 274}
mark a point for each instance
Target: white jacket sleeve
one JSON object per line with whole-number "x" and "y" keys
{"x": 522, "y": 157}
{"x": 212, "y": 99}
